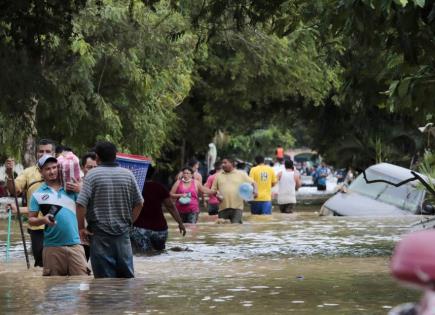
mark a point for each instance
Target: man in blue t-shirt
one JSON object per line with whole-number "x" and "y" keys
{"x": 322, "y": 173}
{"x": 62, "y": 254}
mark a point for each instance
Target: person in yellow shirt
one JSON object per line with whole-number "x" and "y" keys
{"x": 29, "y": 181}
{"x": 264, "y": 176}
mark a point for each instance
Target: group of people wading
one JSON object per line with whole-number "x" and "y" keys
{"x": 105, "y": 216}
{"x": 222, "y": 187}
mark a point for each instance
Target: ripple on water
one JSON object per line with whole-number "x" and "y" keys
{"x": 275, "y": 240}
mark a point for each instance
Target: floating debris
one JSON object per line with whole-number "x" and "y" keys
{"x": 180, "y": 249}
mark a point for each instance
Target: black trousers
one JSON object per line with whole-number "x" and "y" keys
{"x": 87, "y": 249}
{"x": 37, "y": 240}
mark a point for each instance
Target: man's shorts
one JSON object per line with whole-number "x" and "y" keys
{"x": 261, "y": 207}
{"x": 213, "y": 209}
{"x": 145, "y": 240}
{"x": 321, "y": 187}
{"x": 287, "y": 208}
{"x": 234, "y": 215}
{"x": 64, "y": 261}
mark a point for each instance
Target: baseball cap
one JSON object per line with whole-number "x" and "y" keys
{"x": 46, "y": 158}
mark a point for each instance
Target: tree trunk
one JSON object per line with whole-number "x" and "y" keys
{"x": 29, "y": 154}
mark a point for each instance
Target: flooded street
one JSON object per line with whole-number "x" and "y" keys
{"x": 279, "y": 264}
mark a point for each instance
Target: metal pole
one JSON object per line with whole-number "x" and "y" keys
{"x": 8, "y": 241}
{"x": 20, "y": 222}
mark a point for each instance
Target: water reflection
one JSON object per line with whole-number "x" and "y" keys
{"x": 280, "y": 264}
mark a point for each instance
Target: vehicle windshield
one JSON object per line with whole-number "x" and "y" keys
{"x": 406, "y": 197}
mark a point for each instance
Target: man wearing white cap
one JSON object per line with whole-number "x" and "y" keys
{"x": 62, "y": 254}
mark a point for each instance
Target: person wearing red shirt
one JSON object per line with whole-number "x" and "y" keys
{"x": 279, "y": 153}
{"x": 150, "y": 230}
{"x": 213, "y": 201}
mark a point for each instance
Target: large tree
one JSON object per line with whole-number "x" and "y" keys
{"x": 126, "y": 70}
{"x": 117, "y": 74}
{"x": 29, "y": 33}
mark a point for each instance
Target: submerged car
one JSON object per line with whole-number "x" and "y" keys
{"x": 380, "y": 199}
{"x": 307, "y": 180}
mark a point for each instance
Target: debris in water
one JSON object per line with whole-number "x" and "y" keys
{"x": 180, "y": 249}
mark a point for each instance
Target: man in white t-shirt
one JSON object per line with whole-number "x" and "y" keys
{"x": 289, "y": 181}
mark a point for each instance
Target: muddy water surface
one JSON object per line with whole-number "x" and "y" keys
{"x": 301, "y": 264}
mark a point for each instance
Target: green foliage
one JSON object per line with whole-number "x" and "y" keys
{"x": 389, "y": 54}
{"x": 259, "y": 142}
{"x": 352, "y": 78}
{"x": 127, "y": 77}
{"x": 254, "y": 69}
{"x": 30, "y": 31}
{"x": 360, "y": 136}
{"x": 10, "y": 130}
{"x": 427, "y": 168}
{"x": 118, "y": 78}
{"x": 427, "y": 165}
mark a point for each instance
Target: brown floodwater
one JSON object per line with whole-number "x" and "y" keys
{"x": 279, "y": 264}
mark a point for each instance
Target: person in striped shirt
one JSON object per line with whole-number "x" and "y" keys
{"x": 111, "y": 201}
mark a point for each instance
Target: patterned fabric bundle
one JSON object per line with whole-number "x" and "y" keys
{"x": 69, "y": 168}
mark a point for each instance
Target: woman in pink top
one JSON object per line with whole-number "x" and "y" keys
{"x": 213, "y": 201}
{"x": 186, "y": 191}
